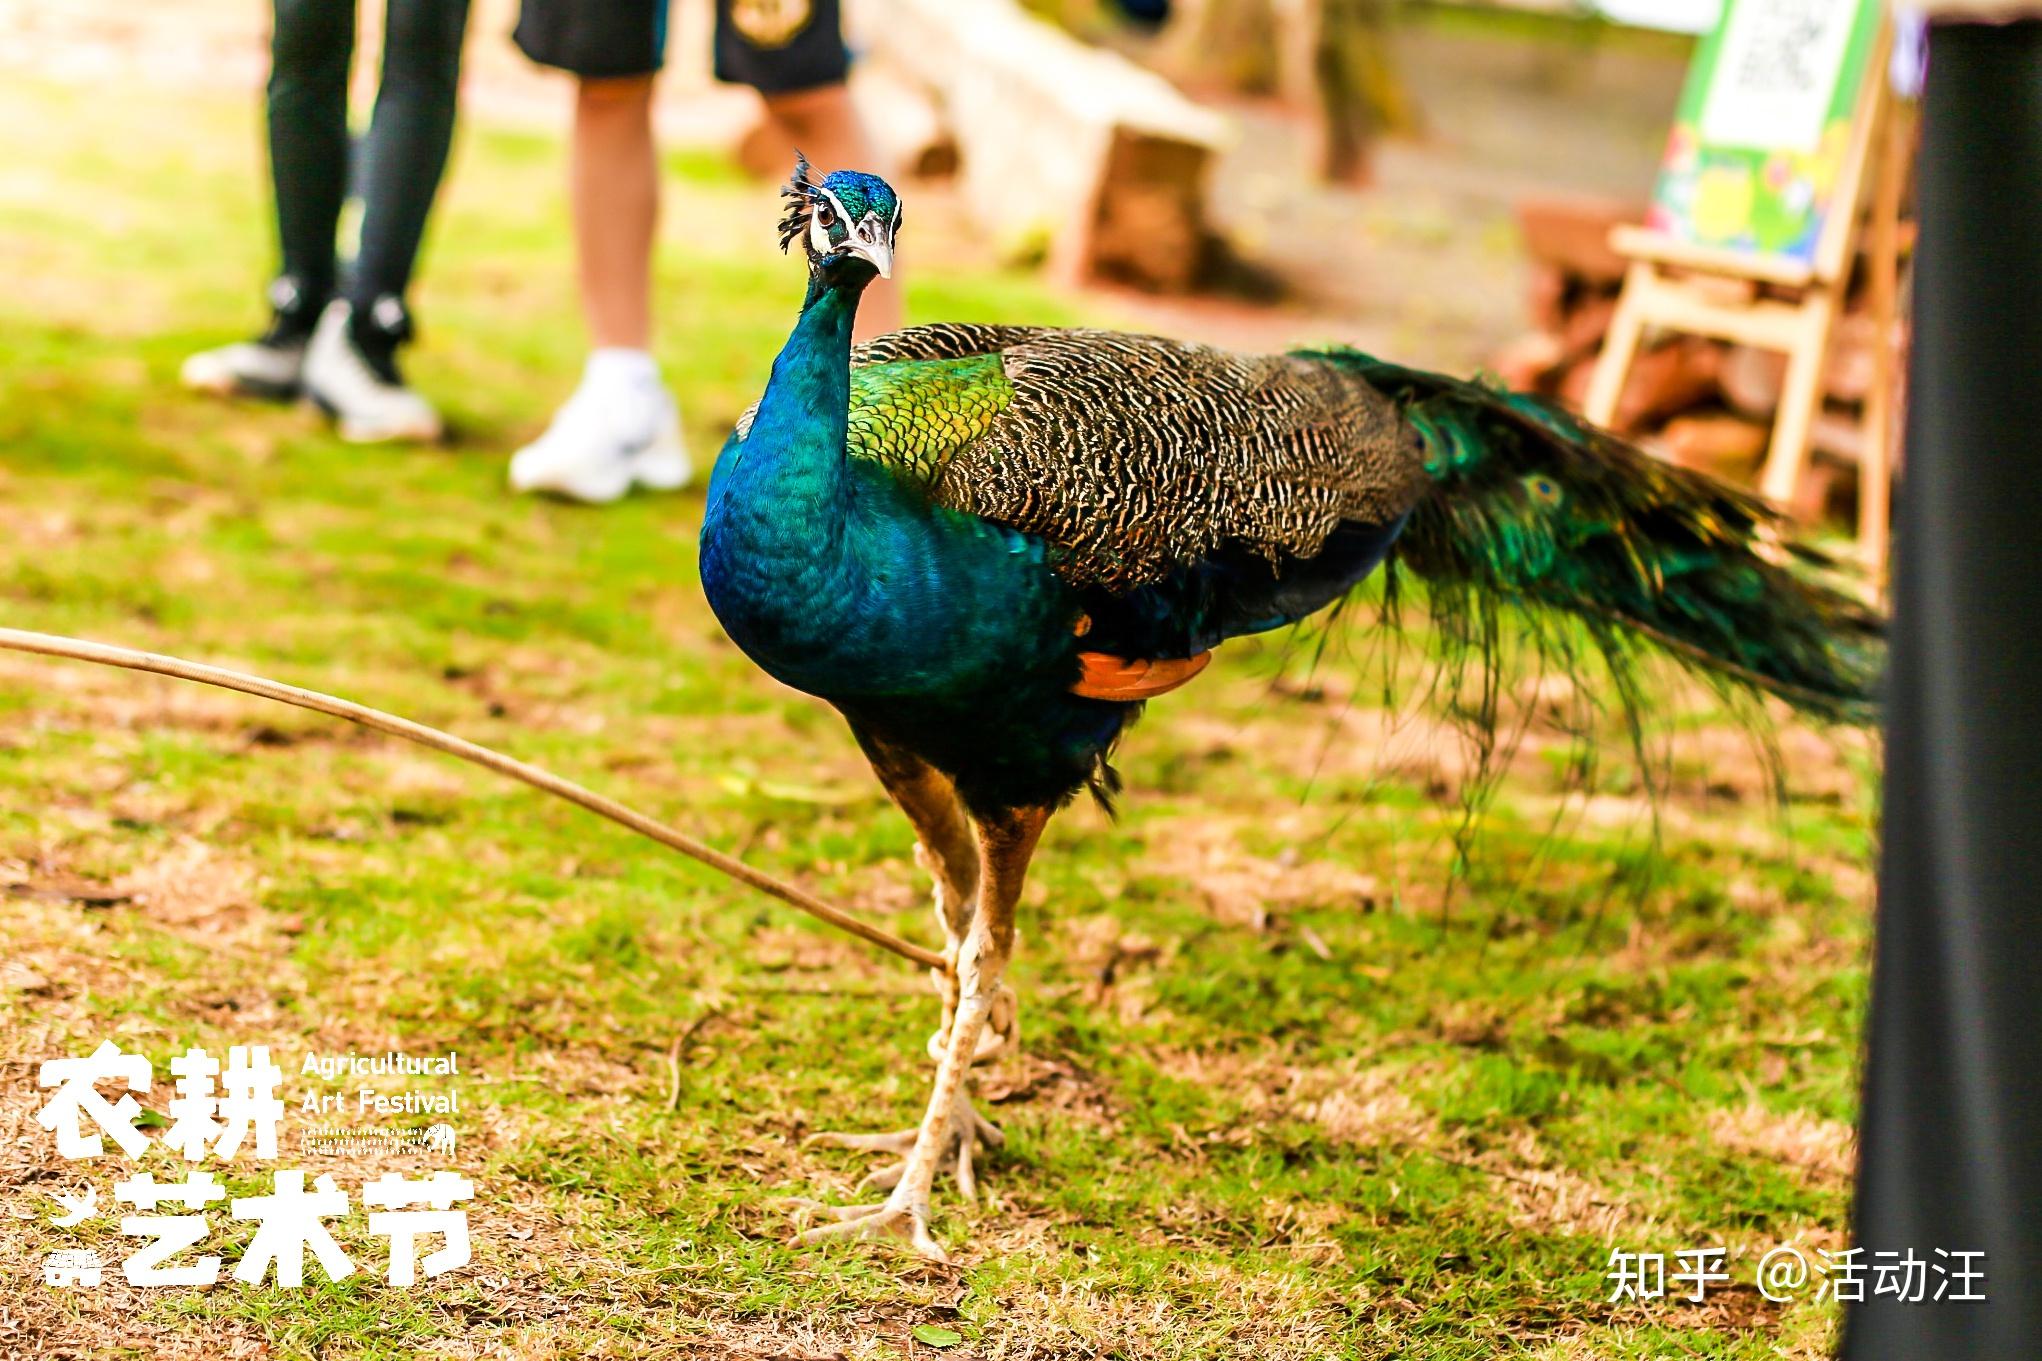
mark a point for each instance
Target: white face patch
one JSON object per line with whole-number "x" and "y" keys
{"x": 870, "y": 230}
{"x": 818, "y": 234}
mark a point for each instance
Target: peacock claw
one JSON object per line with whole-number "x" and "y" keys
{"x": 958, "y": 1153}
{"x": 899, "y": 1141}
{"x": 890, "y": 1218}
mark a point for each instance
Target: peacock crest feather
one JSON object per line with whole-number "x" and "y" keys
{"x": 801, "y": 194}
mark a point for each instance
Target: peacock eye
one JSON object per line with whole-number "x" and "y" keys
{"x": 825, "y": 216}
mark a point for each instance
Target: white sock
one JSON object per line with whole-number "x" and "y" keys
{"x": 616, "y": 367}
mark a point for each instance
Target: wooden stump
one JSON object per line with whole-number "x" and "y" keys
{"x": 1064, "y": 150}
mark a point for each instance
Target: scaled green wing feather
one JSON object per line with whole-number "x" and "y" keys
{"x": 920, "y": 395}
{"x": 915, "y": 415}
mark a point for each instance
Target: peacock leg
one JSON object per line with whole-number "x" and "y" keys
{"x": 1005, "y": 844}
{"x": 945, "y": 848}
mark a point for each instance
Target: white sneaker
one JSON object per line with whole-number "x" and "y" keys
{"x": 248, "y": 368}
{"x": 620, "y": 429}
{"x": 268, "y": 366}
{"x": 362, "y": 390}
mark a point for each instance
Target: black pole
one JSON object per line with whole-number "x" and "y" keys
{"x": 1952, "y": 1130}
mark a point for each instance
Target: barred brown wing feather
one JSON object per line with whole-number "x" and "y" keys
{"x": 1137, "y": 455}
{"x": 946, "y": 340}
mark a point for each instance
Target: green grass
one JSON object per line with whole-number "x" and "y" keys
{"x": 1279, "y": 1093}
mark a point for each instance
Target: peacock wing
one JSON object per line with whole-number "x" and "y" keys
{"x": 919, "y": 395}
{"x": 945, "y": 340}
{"x": 1133, "y": 456}
{"x": 915, "y": 415}
{"x": 1137, "y": 456}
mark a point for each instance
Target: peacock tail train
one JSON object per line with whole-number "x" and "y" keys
{"x": 1530, "y": 506}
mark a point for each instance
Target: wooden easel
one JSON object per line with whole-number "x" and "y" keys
{"x": 1737, "y": 296}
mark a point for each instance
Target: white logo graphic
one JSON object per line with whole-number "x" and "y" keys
{"x": 71, "y": 1266}
{"x": 76, "y": 1097}
{"x": 77, "y": 1209}
{"x": 219, "y": 1114}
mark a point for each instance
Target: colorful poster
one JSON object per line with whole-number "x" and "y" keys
{"x": 1764, "y": 125}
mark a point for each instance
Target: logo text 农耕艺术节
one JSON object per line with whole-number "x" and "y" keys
{"x": 225, "y": 1114}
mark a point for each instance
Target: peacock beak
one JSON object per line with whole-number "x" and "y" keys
{"x": 872, "y": 242}
{"x": 880, "y": 254}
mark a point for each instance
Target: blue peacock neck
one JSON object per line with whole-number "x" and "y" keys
{"x": 779, "y": 558}
{"x": 796, "y": 444}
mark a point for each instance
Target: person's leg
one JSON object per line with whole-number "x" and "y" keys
{"x": 351, "y": 365}
{"x": 405, "y": 150}
{"x": 824, "y": 124}
{"x": 620, "y": 428}
{"x": 310, "y": 50}
{"x": 615, "y": 192}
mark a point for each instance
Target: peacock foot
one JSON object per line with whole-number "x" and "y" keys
{"x": 898, "y": 1216}
{"x": 966, "y": 1133}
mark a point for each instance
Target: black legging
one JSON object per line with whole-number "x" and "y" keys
{"x": 402, "y": 154}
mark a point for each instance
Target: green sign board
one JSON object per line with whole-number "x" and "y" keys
{"x": 1764, "y": 125}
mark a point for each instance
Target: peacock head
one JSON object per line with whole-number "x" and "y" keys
{"x": 846, "y": 223}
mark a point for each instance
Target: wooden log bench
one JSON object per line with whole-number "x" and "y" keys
{"x": 1063, "y": 149}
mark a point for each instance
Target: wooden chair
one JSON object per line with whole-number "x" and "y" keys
{"x": 1775, "y": 302}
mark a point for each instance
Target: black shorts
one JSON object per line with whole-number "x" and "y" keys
{"x": 781, "y": 46}
{"x": 776, "y": 46}
{"x": 594, "y": 39}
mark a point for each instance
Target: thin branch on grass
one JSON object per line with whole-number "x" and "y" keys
{"x": 680, "y": 1047}
{"x": 78, "y": 649}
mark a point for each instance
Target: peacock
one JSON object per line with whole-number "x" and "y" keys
{"x": 989, "y": 546}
